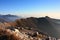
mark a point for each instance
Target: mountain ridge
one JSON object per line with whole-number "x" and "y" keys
{"x": 8, "y": 18}
{"x": 46, "y": 24}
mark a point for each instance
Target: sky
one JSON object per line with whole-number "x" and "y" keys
{"x": 34, "y": 8}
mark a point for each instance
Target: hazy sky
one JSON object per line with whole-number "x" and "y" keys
{"x": 35, "y": 8}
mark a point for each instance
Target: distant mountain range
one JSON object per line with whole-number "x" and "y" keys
{"x": 45, "y": 24}
{"x": 8, "y": 18}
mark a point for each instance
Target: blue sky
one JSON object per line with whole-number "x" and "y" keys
{"x": 30, "y": 7}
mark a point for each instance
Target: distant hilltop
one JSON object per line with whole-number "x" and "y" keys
{"x": 8, "y": 18}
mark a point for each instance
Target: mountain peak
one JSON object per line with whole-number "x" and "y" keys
{"x": 47, "y": 17}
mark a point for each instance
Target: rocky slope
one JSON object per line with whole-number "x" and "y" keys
{"x": 31, "y": 28}
{"x": 43, "y": 24}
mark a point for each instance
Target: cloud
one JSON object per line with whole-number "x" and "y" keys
{"x": 41, "y": 14}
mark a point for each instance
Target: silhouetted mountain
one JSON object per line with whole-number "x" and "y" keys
{"x": 8, "y": 18}
{"x": 44, "y": 24}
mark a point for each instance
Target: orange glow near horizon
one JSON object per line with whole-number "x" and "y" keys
{"x": 55, "y": 15}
